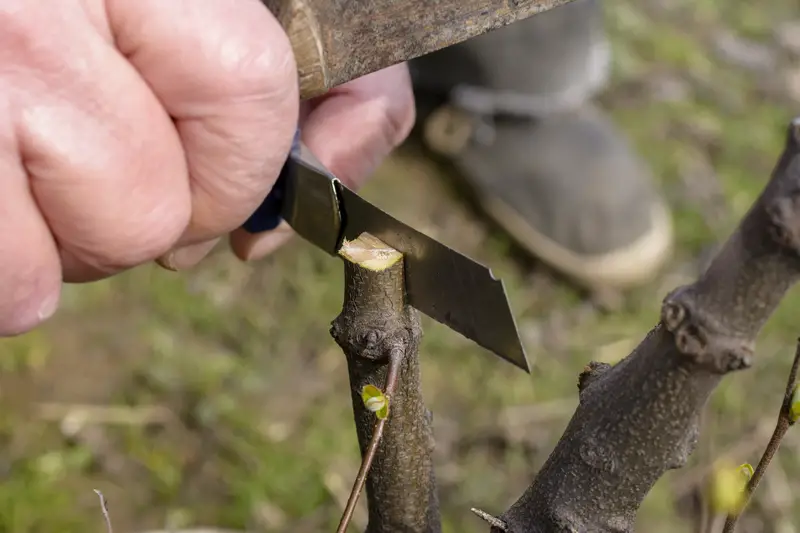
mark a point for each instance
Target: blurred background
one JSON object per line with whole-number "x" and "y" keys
{"x": 217, "y": 398}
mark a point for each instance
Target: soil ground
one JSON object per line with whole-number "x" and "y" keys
{"x": 223, "y": 400}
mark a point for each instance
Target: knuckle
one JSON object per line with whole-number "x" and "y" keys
{"x": 262, "y": 67}
{"x": 275, "y": 64}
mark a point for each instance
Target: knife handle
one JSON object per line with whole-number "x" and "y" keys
{"x": 300, "y": 20}
{"x": 268, "y": 215}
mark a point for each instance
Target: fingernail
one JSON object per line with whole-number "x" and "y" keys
{"x": 186, "y": 256}
{"x": 49, "y": 306}
{"x": 250, "y": 247}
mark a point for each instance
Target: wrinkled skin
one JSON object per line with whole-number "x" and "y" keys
{"x": 133, "y": 131}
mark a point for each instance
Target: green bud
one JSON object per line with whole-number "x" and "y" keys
{"x": 794, "y": 408}
{"x": 375, "y": 401}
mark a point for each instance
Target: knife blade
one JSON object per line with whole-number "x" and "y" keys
{"x": 442, "y": 283}
{"x": 335, "y": 41}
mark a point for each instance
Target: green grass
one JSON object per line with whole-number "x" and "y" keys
{"x": 262, "y": 436}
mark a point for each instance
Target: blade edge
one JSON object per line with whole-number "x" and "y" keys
{"x": 444, "y": 284}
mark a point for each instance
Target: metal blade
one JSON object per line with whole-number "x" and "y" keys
{"x": 312, "y": 207}
{"x": 442, "y": 283}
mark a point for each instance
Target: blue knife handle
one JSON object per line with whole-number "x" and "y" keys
{"x": 268, "y": 215}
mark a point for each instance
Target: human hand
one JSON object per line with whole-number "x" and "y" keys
{"x": 134, "y": 131}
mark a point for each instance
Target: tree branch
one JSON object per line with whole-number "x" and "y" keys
{"x": 395, "y": 359}
{"x": 376, "y": 327}
{"x": 104, "y": 508}
{"x": 638, "y": 419}
{"x": 785, "y": 421}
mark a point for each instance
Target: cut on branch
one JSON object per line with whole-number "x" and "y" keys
{"x": 380, "y": 336}
{"x": 639, "y": 418}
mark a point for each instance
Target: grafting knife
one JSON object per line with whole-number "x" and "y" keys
{"x": 335, "y": 41}
{"x": 445, "y": 285}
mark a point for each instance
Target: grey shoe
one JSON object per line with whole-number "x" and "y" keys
{"x": 542, "y": 162}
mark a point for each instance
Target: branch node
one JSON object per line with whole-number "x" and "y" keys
{"x": 784, "y": 217}
{"x": 596, "y": 452}
{"x": 493, "y": 521}
{"x": 591, "y": 372}
{"x": 700, "y": 337}
{"x": 374, "y": 305}
{"x": 379, "y": 334}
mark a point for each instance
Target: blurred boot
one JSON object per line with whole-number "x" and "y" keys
{"x": 511, "y": 110}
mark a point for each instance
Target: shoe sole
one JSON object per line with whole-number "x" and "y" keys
{"x": 631, "y": 266}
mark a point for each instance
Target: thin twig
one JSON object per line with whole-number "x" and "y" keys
{"x": 395, "y": 359}
{"x": 781, "y": 427}
{"x": 490, "y": 519}
{"x": 104, "y": 507}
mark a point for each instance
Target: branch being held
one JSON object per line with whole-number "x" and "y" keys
{"x": 380, "y": 334}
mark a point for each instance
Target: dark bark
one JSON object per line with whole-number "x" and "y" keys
{"x": 638, "y": 419}
{"x": 375, "y": 325}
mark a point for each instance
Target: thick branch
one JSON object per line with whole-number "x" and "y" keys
{"x": 374, "y": 326}
{"x": 640, "y": 418}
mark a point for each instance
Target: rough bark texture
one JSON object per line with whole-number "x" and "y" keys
{"x": 374, "y": 323}
{"x": 336, "y": 41}
{"x": 638, "y": 419}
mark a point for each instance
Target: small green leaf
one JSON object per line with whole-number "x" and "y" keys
{"x": 369, "y": 393}
{"x": 746, "y": 470}
{"x": 727, "y": 486}
{"x": 794, "y": 409}
{"x": 375, "y": 401}
{"x": 383, "y": 412}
